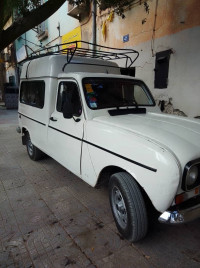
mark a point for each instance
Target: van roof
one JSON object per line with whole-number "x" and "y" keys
{"x": 51, "y": 66}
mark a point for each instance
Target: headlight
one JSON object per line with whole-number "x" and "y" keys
{"x": 191, "y": 175}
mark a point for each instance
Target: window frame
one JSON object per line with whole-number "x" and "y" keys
{"x": 78, "y": 91}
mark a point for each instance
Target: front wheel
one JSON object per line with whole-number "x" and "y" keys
{"x": 33, "y": 152}
{"x": 128, "y": 207}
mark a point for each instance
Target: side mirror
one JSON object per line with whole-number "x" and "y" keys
{"x": 71, "y": 104}
{"x": 67, "y": 109}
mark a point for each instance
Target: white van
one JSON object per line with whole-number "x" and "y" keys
{"x": 106, "y": 128}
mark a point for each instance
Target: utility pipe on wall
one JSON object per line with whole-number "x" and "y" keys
{"x": 94, "y": 24}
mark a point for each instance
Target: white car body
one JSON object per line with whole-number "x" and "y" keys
{"x": 153, "y": 147}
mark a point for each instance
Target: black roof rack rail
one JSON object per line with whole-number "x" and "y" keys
{"x": 76, "y": 48}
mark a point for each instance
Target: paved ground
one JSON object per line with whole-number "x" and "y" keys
{"x": 50, "y": 218}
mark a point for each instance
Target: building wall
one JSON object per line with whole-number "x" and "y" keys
{"x": 170, "y": 24}
{"x": 10, "y": 67}
{"x": 58, "y": 19}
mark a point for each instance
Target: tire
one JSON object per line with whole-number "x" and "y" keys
{"x": 33, "y": 152}
{"x": 128, "y": 206}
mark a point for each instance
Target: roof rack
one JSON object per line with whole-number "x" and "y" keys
{"x": 76, "y": 48}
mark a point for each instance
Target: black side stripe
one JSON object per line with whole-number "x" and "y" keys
{"x": 125, "y": 158}
{"x": 65, "y": 133}
{"x": 108, "y": 151}
{"x": 32, "y": 119}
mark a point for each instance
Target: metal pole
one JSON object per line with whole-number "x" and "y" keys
{"x": 94, "y": 23}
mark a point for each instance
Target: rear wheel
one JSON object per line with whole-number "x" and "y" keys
{"x": 33, "y": 152}
{"x": 128, "y": 206}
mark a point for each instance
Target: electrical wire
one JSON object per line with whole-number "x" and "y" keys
{"x": 31, "y": 42}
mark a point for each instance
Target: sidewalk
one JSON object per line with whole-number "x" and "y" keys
{"x": 2, "y": 105}
{"x": 8, "y": 117}
{"x": 50, "y": 218}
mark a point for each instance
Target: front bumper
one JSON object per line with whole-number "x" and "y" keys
{"x": 182, "y": 214}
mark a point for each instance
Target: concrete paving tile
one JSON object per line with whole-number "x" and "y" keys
{"x": 22, "y": 192}
{"x": 59, "y": 193}
{"x": 27, "y": 204}
{"x": 99, "y": 243}
{"x": 20, "y": 155}
{"x": 15, "y": 252}
{"x": 47, "y": 236}
{"x": 113, "y": 227}
{"x": 47, "y": 184}
{"x": 2, "y": 189}
{"x": 11, "y": 173}
{"x": 42, "y": 175}
{"x": 8, "y": 231}
{"x": 66, "y": 208}
{"x": 31, "y": 169}
{"x": 30, "y": 166}
{"x": 59, "y": 171}
{"x": 69, "y": 256}
{"x": 80, "y": 189}
{"x": 32, "y": 220}
{"x": 3, "y": 148}
{"x": 100, "y": 211}
{"x": 53, "y": 245}
{"x": 96, "y": 200}
{"x": 124, "y": 258}
{"x": 8, "y": 162}
{"x": 6, "y": 210}
{"x": 11, "y": 266}
{"x": 3, "y": 259}
{"x": 3, "y": 195}
{"x": 14, "y": 149}
{"x": 49, "y": 164}
{"x": 81, "y": 222}
{"x": 15, "y": 182}
{"x": 165, "y": 243}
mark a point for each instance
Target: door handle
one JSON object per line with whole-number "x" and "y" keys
{"x": 53, "y": 119}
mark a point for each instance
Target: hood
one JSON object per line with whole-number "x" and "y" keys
{"x": 177, "y": 134}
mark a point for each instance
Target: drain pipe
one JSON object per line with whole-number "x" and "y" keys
{"x": 94, "y": 25}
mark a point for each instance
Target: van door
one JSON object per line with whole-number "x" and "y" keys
{"x": 65, "y": 135}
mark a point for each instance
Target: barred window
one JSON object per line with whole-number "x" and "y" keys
{"x": 162, "y": 69}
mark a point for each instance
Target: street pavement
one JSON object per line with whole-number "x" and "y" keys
{"x": 51, "y": 218}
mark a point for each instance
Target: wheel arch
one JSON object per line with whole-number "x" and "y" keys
{"x": 107, "y": 172}
{"x": 24, "y": 135}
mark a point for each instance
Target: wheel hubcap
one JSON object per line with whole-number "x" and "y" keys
{"x": 119, "y": 207}
{"x": 30, "y": 147}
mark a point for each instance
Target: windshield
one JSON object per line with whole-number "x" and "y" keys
{"x": 101, "y": 93}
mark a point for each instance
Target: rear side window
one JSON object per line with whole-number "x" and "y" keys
{"x": 32, "y": 93}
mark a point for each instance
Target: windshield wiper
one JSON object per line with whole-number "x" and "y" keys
{"x": 131, "y": 103}
{"x": 123, "y": 111}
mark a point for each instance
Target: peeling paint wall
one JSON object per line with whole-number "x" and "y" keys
{"x": 170, "y": 24}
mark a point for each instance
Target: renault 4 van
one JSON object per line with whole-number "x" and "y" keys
{"x": 106, "y": 128}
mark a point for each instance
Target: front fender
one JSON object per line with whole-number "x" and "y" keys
{"x": 154, "y": 167}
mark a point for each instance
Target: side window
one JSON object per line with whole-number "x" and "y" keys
{"x": 68, "y": 92}
{"x": 33, "y": 93}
